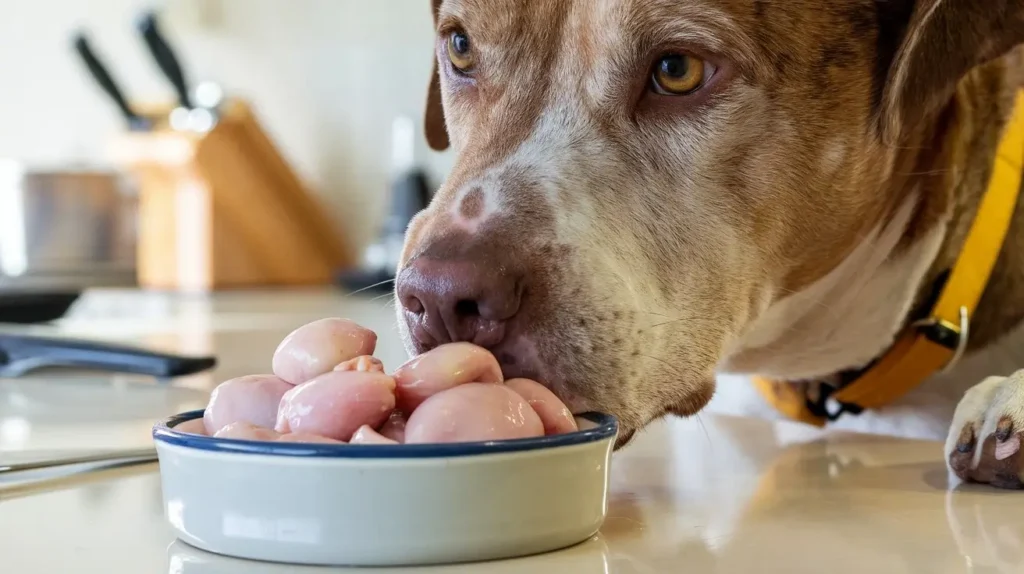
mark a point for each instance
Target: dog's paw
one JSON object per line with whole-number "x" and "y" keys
{"x": 985, "y": 439}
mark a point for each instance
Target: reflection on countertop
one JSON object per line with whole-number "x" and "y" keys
{"x": 709, "y": 494}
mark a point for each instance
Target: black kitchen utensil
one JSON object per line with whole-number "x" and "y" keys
{"x": 103, "y": 78}
{"x": 29, "y": 307}
{"x": 20, "y": 354}
{"x": 164, "y": 56}
{"x": 410, "y": 194}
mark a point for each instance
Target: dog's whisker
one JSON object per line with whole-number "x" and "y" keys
{"x": 667, "y": 323}
{"x": 704, "y": 428}
{"x": 818, "y": 302}
{"x": 653, "y": 358}
{"x": 383, "y": 296}
{"x": 904, "y": 147}
{"x": 368, "y": 287}
{"x": 657, "y": 314}
{"x": 674, "y": 369}
{"x": 833, "y": 313}
{"x": 929, "y": 172}
{"x": 797, "y": 329}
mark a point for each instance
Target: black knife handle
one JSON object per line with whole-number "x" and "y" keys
{"x": 20, "y": 354}
{"x": 164, "y": 56}
{"x": 102, "y": 76}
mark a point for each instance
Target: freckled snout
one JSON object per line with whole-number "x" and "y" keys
{"x": 471, "y": 298}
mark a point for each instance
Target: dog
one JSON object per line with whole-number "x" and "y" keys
{"x": 650, "y": 194}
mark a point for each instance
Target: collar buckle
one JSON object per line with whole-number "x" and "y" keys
{"x": 939, "y": 331}
{"x": 819, "y": 405}
{"x": 951, "y": 336}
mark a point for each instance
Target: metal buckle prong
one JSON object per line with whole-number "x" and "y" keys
{"x": 954, "y": 337}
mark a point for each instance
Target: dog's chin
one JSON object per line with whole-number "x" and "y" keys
{"x": 625, "y": 437}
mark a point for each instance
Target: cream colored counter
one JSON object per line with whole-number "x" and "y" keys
{"x": 714, "y": 494}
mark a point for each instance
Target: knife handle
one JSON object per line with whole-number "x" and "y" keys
{"x": 102, "y": 76}
{"x": 164, "y": 56}
{"x": 20, "y": 354}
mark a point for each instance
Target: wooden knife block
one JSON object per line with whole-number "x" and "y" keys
{"x": 223, "y": 209}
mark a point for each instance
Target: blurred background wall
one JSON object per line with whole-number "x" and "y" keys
{"x": 327, "y": 77}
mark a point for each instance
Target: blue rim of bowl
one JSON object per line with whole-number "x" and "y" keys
{"x": 606, "y": 426}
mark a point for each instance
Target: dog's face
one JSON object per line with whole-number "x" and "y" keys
{"x": 649, "y": 176}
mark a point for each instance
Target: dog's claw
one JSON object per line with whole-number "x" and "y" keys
{"x": 1004, "y": 429}
{"x": 965, "y": 444}
{"x": 984, "y": 443}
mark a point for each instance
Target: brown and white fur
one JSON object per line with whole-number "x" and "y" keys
{"x": 784, "y": 220}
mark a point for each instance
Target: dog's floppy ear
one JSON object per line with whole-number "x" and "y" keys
{"x": 943, "y": 41}
{"x": 435, "y": 127}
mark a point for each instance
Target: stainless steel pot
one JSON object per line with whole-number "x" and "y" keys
{"x": 65, "y": 228}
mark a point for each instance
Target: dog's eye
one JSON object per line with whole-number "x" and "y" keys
{"x": 460, "y": 51}
{"x": 678, "y": 75}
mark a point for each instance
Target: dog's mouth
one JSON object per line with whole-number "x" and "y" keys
{"x": 520, "y": 359}
{"x": 513, "y": 368}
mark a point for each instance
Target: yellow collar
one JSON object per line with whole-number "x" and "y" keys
{"x": 936, "y": 343}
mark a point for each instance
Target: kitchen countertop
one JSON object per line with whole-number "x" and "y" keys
{"x": 709, "y": 494}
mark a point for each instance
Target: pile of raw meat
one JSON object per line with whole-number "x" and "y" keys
{"x": 328, "y": 388}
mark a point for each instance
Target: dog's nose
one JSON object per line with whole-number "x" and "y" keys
{"x": 449, "y": 301}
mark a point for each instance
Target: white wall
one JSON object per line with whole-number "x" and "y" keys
{"x": 326, "y": 76}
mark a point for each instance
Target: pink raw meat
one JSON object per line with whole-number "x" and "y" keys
{"x": 557, "y": 417}
{"x": 445, "y": 367}
{"x": 307, "y": 438}
{"x": 394, "y": 428}
{"x": 316, "y": 348}
{"x": 194, "y": 426}
{"x": 247, "y": 431}
{"x": 473, "y": 412}
{"x": 252, "y": 399}
{"x": 365, "y": 363}
{"x": 337, "y": 403}
{"x": 366, "y": 435}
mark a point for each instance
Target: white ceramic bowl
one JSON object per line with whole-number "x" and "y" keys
{"x": 390, "y": 505}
